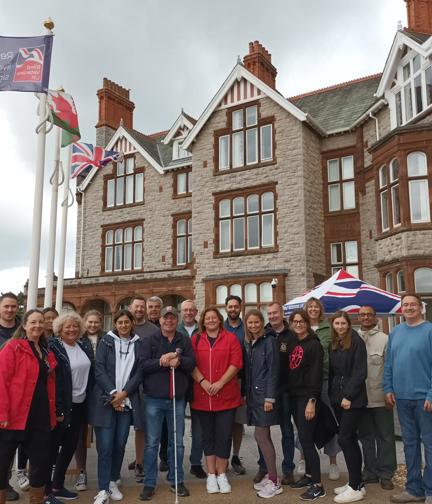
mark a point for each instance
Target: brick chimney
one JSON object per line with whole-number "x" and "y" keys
{"x": 419, "y": 13}
{"x": 114, "y": 106}
{"x": 258, "y": 62}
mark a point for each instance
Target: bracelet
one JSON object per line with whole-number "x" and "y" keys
{"x": 202, "y": 379}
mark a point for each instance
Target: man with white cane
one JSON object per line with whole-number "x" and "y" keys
{"x": 166, "y": 361}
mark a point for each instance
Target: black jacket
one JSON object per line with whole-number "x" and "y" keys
{"x": 87, "y": 344}
{"x": 261, "y": 372}
{"x": 101, "y": 414}
{"x": 348, "y": 373}
{"x": 6, "y": 332}
{"x": 284, "y": 340}
{"x": 63, "y": 375}
{"x": 305, "y": 362}
{"x": 156, "y": 379}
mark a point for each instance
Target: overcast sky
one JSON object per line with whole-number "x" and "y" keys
{"x": 170, "y": 55}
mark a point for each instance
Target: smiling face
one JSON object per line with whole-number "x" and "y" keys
{"x": 153, "y": 310}
{"x": 255, "y": 326}
{"x": 168, "y": 324}
{"x": 275, "y": 316}
{"x": 314, "y": 311}
{"x": 212, "y": 322}
{"x": 412, "y": 310}
{"x": 8, "y": 311}
{"x": 299, "y": 326}
{"x": 188, "y": 312}
{"x": 341, "y": 326}
{"x": 367, "y": 318}
{"x": 124, "y": 326}
{"x": 138, "y": 310}
{"x": 34, "y": 326}
{"x": 93, "y": 324}
{"x": 233, "y": 309}
{"x": 49, "y": 317}
{"x": 70, "y": 332}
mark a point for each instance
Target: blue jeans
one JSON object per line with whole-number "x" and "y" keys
{"x": 416, "y": 425}
{"x": 155, "y": 411}
{"x": 110, "y": 446}
{"x": 197, "y": 446}
{"x": 287, "y": 431}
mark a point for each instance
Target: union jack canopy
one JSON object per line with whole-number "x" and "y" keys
{"x": 345, "y": 292}
{"x": 86, "y": 156}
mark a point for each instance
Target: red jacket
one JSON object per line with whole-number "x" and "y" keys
{"x": 213, "y": 363}
{"x": 19, "y": 370}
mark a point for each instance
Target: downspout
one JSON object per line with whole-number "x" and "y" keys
{"x": 376, "y": 125}
{"x": 81, "y": 231}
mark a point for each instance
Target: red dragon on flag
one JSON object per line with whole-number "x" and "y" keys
{"x": 64, "y": 115}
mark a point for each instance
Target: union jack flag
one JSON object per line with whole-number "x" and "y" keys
{"x": 86, "y": 156}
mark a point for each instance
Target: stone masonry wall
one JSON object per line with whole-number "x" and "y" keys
{"x": 368, "y": 232}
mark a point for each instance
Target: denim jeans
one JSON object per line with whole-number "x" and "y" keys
{"x": 416, "y": 425}
{"x": 197, "y": 446}
{"x": 110, "y": 446}
{"x": 287, "y": 431}
{"x": 155, "y": 411}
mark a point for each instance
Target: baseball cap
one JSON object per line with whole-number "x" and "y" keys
{"x": 169, "y": 310}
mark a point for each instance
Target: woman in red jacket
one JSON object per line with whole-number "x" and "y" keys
{"x": 219, "y": 358}
{"x": 27, "y": 402}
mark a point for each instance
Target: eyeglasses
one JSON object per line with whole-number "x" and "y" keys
{"x": 298, "y": 322}
{"x": 366, "y": 315}
{"x": 410, "y": 305}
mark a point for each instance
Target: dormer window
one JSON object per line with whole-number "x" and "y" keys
{"x": 178, "y": 151}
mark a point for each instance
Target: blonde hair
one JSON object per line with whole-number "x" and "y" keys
{"x": 256, "y": 313}
{"x": 69, "y": 316}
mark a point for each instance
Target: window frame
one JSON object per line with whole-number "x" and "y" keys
{"x": 340, "y": 183}
{"x": 185, "y": 171}
{"x": 187, "y": 216}
{"x": 114, "y": 178}
{"x": 344, "y": 263}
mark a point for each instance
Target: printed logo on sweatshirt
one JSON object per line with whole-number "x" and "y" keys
{"x": 296, "y": 357}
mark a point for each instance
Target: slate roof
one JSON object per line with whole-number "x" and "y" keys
{"x": 420, "y": 38}
{"x": 338, "y": 107}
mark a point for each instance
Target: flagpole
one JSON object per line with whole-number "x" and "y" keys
{"x": 38, "y": 195}
{"x": 53, "y": 221}
{"x": 62, "y": 250}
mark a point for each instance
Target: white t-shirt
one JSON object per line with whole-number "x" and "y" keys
{"x": 80, "y": 368}
{"x": 93, "y": 340}
{"x": 314, "y": 327}
{"x": 190, "y": 329}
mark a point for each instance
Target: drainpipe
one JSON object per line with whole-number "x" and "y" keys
{"x": 376, "y": 124}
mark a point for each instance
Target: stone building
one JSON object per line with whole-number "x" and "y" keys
{"x": 265, "y": 196}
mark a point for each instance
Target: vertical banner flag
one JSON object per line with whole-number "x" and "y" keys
{"x": 25, "y": 63}
{"x": 64, "y": 115}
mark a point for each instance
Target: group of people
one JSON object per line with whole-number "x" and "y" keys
{"x": 62, "y": 378}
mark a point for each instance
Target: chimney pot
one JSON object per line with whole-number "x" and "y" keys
{"x": 258, "y": 62}
{"x": 114, "y": 105}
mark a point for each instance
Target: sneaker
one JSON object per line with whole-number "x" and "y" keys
{"x": 182, "y": 491}
{"x": 302, "y": 483}
{"x": 270, "y": 490}
{"x": 118, "y": 482}
{"x": 131, "y": 466}
{"x": 212, "y": 484}
{"x": 341, "y": 489}
{"x": 349, "y": 495}
{"x": 288, "y": 478}
{"x": 163, "y": 466}
{"x": 259, "y": 476}
{"x": 198, "y": 471}
{"x": 301, "y": 467}
{"x": 139, "y": 473}
{"x": 237, "y": 465}
{"x": 406, "y": 497}
{"x": 64, "y": 493}
{"x": 22, "y": 480}
{"x": 114, "y": 492}
{"x": 262, "y": 483}
{"x": 147, "y": 493}
{"x": 81, "y": 482}
{"x": 223, "y": 483}
{"x": 102, "y": 497}
{"x": 428, "y": 499}
{"x": 387, "y": 484}
{"x": 334, "y": 472}
{"x": 50, "y": 499}
{"x": 313, "y": 492}
{"x": 11, "y": 494}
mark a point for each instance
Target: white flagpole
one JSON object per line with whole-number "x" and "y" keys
{"x": 38, "y": 196}
{"x": 62, "y": 251}
{"x": 53, "y": 220}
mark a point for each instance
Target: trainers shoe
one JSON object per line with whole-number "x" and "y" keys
{"x": 223, "y": 483}
{"x": 64, "y": 494}
{"x": 288, "y": 478}
{"x": 313, "y": 492}
{"x": 182, "y": 491}
{"x": 262, "y": 483}
{"x": 387, "y": 484}
{"x": 237, "y": 465}
{"x": 349, "y": 495}
{"x": 302, "y": 483}
{"x": 81, "y": 482}
{"x": 406, "y": 497}
{"x": 301, "y": 467}
{"x": 259, "y": 476}
{"x": 334, "y": 473}
{"x": 102, "y": 497}
{"x": 212, "y": 484}
{"x": 50, "y": 499}
{"x": 11, "y": 494}
{"x": 22, "y": 480}
{"x": 163, "y": 466}
{"x": 114, "y": 492}
{"x": 147, "y": 493}
{"x": 139, "y": 473}
{"x": 270, "y": 490}
{"x": 131, "y": 466}
{"x": 341, "y": 489}
{"x": 198, "y": 471}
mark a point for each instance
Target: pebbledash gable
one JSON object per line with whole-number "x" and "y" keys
{"x": 261, "y": 195}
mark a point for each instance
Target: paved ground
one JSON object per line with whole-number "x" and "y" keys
{"x": 243, "y": 491}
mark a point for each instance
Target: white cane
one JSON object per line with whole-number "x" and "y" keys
{"x": 175, "y": 435}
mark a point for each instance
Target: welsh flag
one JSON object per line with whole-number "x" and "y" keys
{"x": 64, "y": 115}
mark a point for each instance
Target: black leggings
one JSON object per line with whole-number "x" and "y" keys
{"x": 306, "y": 429}
{"x": 36, "y": 444}
{"x": 349, "y": 421}
{"x": 216, "y": 429}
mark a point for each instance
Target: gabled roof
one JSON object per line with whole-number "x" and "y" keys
{"x": 338, "y": 107}
{"x": 418, "y": 42}
{"x": 237, "y": 73}
{"x": 183, "y": 120}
